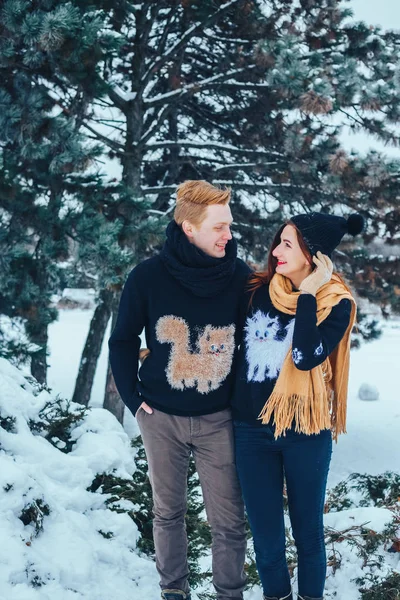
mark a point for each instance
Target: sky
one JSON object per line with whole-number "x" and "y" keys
{"x": 383, "y": 12}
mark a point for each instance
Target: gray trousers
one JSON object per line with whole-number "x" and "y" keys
{"x": 169, "y": 441}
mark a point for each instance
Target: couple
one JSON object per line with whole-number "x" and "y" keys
{"x": 246, "y": 371}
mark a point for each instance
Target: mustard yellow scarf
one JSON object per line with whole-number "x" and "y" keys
{"x": 316, "y": 399}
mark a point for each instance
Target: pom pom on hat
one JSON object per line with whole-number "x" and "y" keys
{"x": 323, "y": 232}
{"x": 355, "y": 224}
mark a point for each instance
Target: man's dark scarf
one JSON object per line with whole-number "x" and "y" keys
{"x": 203, "y": 275}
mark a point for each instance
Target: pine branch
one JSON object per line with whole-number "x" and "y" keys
{"x": 245, "y": 86}
{"x": 157, "y": 123}
{"x": 196, "y": 86}
{"x": 243, "y": 166}
{"x": 116, "y": 146}
{"x": 166, "y": 31}
{"x": 211, "y": 146}
{"x": 117, "y": 100}
{"x": 156, "y": 66}
{"x": 242, "y": 185}
{"x": 218, "y": 38}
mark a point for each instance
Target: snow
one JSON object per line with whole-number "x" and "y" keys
{"x": 76, "y": 298}
{"x": 372, "y": 441}
{"x": 368, "y": 392}
{"x": 375, "y": 518}
{"x": 78, "y": 295}
{"x": 70, "y": 331}
{"x": 67, "y": 337}
{"x": 69, "y": 558}
{"x": 13, "y": 330}
{"x": 70, "y": 555}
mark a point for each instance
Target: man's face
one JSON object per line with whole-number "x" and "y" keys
{"x": 214, "y": 232}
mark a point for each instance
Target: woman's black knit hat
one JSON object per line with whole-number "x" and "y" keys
{"x": 324, "y": 232}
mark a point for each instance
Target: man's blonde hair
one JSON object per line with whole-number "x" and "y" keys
{"x": 192, "y": 199}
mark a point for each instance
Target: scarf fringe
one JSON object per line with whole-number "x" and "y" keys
{"x": 308, "y": 414}
{"x": 338, "y": 418}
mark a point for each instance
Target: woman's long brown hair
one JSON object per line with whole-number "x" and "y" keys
{"x": 260, "y": 278}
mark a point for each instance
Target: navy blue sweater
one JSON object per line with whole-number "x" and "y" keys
{"x": 192, "y": 340}
{"x": 266, "y": 339}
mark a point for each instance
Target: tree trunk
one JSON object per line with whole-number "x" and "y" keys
{"x": 39, "y": 359}
{"x": 112, "y": 400}
{"x": 92, "y": 349}
{"x": 132, "y": 177}
{"x": 38, "y": 318}
{"x": 41, "y": 315}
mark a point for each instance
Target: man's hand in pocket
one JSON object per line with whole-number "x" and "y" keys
{"x": 146, "y": 408}
{"x": 143, "y": 354}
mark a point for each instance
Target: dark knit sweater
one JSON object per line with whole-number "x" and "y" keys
{"x": 192, "y": 327}
{"x": 266, "y": 338}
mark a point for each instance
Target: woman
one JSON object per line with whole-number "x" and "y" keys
{"x": 290, "y": 396}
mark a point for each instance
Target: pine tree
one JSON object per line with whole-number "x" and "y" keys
{"x": 253, "y": 96}
{"x": 43, "y": 156}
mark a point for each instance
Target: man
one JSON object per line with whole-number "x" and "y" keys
{"x": 188, "y": 300}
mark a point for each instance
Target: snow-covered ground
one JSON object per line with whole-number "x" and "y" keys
{"x": 372, "y": 442}
{"x": 82, "y": 549}
{"x": 66, "y": 339}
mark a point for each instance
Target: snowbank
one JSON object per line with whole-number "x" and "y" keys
{"x": 59, "y": 540}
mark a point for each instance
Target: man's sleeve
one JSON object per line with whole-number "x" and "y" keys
{"x": 124, "y": 342}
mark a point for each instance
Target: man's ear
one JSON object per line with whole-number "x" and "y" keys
{"x": 187, "y": 228}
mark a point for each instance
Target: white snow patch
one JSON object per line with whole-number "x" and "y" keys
{"x": 84, "y": 550}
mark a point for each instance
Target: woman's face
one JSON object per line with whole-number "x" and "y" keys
{"x": 292, "y": 263}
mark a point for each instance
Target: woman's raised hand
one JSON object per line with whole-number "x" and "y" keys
{"x": 321, "y": 275}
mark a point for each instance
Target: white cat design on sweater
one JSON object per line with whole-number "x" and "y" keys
{"x": 265, "y": 349}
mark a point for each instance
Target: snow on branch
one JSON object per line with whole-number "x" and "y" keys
{"x": 197, "y": 86}
{"x": 218, "y": 38}
{"x": 238, "y": 85}
{"x": 238, "y": 166}
{"x": 211, "y": 146}
{"x": 237, "y": 185}
{"x": 249, "y": 165}
{"x": 156, "y": 124}
{"x": 119, "y": 99}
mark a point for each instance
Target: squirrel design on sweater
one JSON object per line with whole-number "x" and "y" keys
{"x": 205, "y": 369}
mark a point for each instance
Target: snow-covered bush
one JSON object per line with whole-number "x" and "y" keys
{"x": 60, "y": 539}
{"x": 364, "y": 490}
{"x": 56, "y": 421}
{"x": 386, "y": 589}
{"x": 135, "y": 498}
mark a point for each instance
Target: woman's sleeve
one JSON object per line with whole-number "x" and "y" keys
{"x": 244, "y": 300}
{"x": 312, "y": 344}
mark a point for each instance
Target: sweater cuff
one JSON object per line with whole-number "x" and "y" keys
{"x": 307, "y": 302}
{"x": 134, "y": 403}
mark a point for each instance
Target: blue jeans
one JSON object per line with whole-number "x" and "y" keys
{"x": 262, "y": 462}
